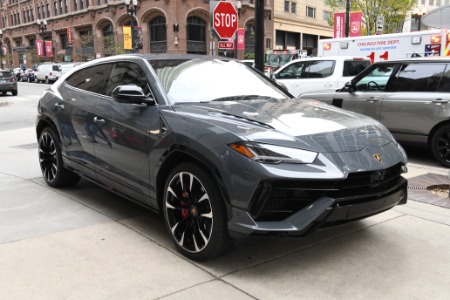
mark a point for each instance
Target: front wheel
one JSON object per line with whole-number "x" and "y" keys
{"x": 194, "y": 212}
{"x": 51, "y": 163}
{"x": 440, "y": 145}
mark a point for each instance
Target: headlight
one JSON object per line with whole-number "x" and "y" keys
{"x": 272, "y": 154}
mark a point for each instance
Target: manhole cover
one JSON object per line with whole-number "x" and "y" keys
{"x": 430, "y": 188}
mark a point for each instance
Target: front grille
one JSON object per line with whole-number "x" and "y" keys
{"x": 277, "y": 200}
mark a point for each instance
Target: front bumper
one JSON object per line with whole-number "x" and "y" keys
{"x": 324, "y": 212}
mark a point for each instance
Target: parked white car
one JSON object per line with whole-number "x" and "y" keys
{"x": 318, "y": 73}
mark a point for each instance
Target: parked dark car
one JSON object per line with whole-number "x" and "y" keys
{"x": 217, "y": 147}
{"x": 28, "y": 75}
{"x": 8, "y": 82}
{"x": 410, "y": 97}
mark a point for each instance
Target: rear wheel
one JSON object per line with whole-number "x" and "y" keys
{"x": 46, "y": 80}
{"x": 14, "y": 93}
{"x": 440, "y": 145}
{"x": 195, "y": 213}
{"x": 51, "y": 163}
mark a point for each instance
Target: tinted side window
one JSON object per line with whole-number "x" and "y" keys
{"x": 319, "y": 69}
{"x": 92, "y": 79}
{"x": 444, "y": 84}
{"x": 294, "y": 70}
{"x": 354, "y": 67}
{"x": 124, "y": 73}
{"x": 419, "y": 77}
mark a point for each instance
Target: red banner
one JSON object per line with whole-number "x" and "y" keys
{"x": 69, "y": 36}
{"x": 241, "y": 39}
{"x": 39, "y": 48}
{"x": 355, "y": 23}
{"x": 339, "y": 25}
{"x": 48, "y": 48}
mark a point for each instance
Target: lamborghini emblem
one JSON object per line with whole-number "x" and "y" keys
{"x": 377, "y": 157}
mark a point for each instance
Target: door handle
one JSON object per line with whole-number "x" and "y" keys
{"x": 440, "y": 100}
{"x": 373, "y": 99}
{"x": 99, "y": 121}
{"x": 59, "y": 105}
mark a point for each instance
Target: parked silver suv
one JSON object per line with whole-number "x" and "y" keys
{"x": 410, "y": 97}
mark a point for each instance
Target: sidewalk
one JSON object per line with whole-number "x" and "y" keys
{"x": 87, "y": 243}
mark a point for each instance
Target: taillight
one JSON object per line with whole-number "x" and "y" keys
{"x": 448, "y": 37}
{"x": 436, "y": 39}
{"x": 327, "y": 46}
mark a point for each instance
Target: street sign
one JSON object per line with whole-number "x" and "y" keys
{"x": 229, "y": 45}
{"x": 225, "y": 20}
{"x": 380, "y": 23}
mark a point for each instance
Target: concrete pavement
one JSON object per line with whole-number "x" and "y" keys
{"x": 86, "y": 243}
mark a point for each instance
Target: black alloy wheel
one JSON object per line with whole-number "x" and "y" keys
{"x": 51, "y": 163}
{"x": 195, "y": 213}
{"x": 440, "y": 145}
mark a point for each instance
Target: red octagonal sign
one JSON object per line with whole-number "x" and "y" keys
{"x": 225, "y": 20}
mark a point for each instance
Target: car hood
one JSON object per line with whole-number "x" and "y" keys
{"x": 309, "y": 125}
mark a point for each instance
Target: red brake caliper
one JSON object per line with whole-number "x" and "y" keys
{"x": 184, "y": 211}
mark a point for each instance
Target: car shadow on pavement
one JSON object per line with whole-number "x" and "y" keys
{"x": 247, "y": 252}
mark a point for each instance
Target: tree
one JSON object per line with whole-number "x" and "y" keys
{"x": 394, "y": 12}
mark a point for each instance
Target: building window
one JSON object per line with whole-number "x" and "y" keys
{"x": 48, "y": 9}
{"x": 66, "y": 7}
{"x": 326, "y": 15}
{"x": 81, "y": 4}
{"x": 43, "y": 11}
{"x": 39, "y": 12}
{"x": 24, "y": 17}
{"x": 55, "y": 8}
{"x": 310, "y": 12}
{"x": 286, "y": 6}
{"x": 158, "y": 35}
{"x": 60, "y": 7}
{"x": 294, "y": 7}
{"x": 196, "y": 35}
{"x": 75, "y": 5}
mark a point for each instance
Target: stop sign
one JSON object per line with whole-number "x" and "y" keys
{"x": 225, "y": 20}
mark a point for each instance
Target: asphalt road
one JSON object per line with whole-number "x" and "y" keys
{"x": 84, "y": 242}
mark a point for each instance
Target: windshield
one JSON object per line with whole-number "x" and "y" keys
{"x": 197, "y": 80}
{"x": 277, "y": 60}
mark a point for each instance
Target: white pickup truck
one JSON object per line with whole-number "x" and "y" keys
{"x": 319, "y": 73}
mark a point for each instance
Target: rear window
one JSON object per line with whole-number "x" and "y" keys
{"x": 354, "y": 67}
{"x": 4, "y": 74}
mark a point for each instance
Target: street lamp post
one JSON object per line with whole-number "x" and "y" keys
{"x": 239, "y": 7}
{"x": 131, "y": 10}
{"x": 1, "y": 49}
{"x": 42, "y": 25}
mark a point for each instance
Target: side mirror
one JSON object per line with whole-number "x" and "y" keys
{"x": 131, "y": 93}
{"x": 349, "y": 87}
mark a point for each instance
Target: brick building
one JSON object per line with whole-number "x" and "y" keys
{"x": 82, "y": 30}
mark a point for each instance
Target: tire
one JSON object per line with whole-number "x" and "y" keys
{"x": 194, "y": 213}
{"x": 51, "y": 163}
{"x": 46, "y": 80}
{"x": 14, "y": 93}
{"x": 440, "y": 145}
{"x": 28, "y": 79}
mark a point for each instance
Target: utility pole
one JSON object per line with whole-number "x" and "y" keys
{"x": 259, "y": 35}
{"x": 347, "y": 18}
